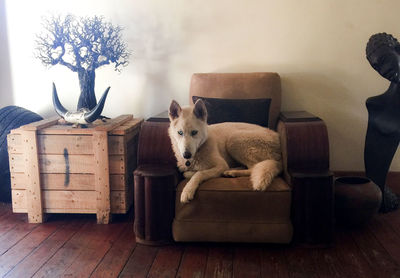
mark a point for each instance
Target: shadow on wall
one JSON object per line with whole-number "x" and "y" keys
{"x": 6, "y": 90}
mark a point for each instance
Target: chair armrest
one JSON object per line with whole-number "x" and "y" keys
{"x": 154, "y": 147}
{"x": 305, "y": 153}
{"x": 155, "y": 181}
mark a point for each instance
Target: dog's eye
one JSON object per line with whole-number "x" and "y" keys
{"x": 180, "y": 132}
{"x": 194, "y": 132}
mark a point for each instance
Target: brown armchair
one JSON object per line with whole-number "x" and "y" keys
{"x": 297, "y": 206}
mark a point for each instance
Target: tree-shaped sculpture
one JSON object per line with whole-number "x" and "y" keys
{"x": 83, "y": 45}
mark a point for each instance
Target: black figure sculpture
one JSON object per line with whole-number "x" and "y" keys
{"x": 383, "y": 133}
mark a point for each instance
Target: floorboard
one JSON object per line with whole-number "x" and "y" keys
{"x": 274, "y": 263}
{"x": 194, "y": 261}
{"x": 247, "y": 261}
{"x": 25, "y": 246}
{"x": 220, "y": 261}
{"x": 166, "y": 262}
{"x": 69, "y": 245}
{"x": 34, "y": 261}
{"x": 116, "y": 258}
{"x": 140, "y": 262}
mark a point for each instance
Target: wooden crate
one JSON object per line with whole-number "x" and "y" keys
{"x": 56, "y": 168}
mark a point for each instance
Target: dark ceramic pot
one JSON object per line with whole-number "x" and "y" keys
{"x": 357, "y": 199}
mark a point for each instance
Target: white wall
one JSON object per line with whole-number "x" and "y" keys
{"x": 318, "y": 47}
{"x": 6, "y": 92}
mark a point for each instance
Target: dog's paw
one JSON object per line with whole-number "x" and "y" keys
{"x": 187, "y": 195}
{"x": 188, "y": 174}
{"x": 229, "y": 173}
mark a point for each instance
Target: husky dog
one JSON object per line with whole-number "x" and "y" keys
{"x": 209, "y": 151}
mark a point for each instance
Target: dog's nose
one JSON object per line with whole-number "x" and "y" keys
{"x": 187, "y": 155}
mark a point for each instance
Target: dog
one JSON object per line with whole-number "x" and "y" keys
{"x": 208, "y": 151}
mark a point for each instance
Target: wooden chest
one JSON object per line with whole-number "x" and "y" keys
{"x": 60, "y": 169}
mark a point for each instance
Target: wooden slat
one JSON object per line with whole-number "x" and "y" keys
{"x": 73, "y": 164}
{"x": 75, "y": 181}
{"x": 41, "y": 124}
{"x": 116, "y": 145}
{"x": 193, "y": 262}
{"x": 31, "y": 169}
{"x": 113, "y": 123}
{"x": 55, "y": 163}
{"x": 57, "y": 144}
{"x": 34, "y": 261}
{"x": 128, "y": 127}
{"x": 14, "y": 142}
{"x": 140, "y": 262}
{"x": 115, "y": 259}
{"x": 101, "y": 176}
{"x": 69, "y": 201}
{"x": 75, "y": 200}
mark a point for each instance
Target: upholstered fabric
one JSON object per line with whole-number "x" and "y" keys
{"x": 252, "y": 111}
{"x": 227, "y": 209}
{"x": 240, "y": 86}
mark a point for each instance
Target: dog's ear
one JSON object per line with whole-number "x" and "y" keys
{"x": 200, "y": 110}
{"x": 174, "y": 110}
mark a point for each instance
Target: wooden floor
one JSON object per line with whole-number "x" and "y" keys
{"x": 75, "y": 246}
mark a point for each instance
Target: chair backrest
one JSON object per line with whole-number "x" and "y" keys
{"x": 236, "y": 86}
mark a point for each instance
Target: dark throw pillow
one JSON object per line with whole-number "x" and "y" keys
{"x": 252, "y": 111}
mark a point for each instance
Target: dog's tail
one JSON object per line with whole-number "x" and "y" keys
{"x": 264, "y": 172}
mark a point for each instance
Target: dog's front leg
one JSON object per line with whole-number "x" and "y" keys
{"x": 188, "y": 174}
{"x": 190, "y": 188}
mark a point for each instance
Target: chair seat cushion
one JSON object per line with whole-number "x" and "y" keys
{"x": 227, "y": 209}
